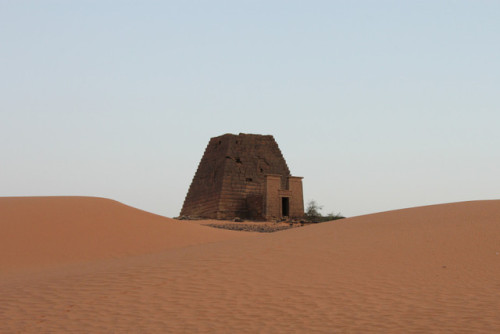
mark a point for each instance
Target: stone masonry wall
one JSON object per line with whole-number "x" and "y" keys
{"x": 273, "y": 206}
{"x": 202, "y": 199}
{"x": 249, "y": 159}
{"x": 297, "y": 198}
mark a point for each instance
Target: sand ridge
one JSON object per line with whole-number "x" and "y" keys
{"x": 38, "y": 231}
{"x": 419, "y": 270}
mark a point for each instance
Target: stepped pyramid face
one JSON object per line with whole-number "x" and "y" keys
{"x": 244, "y": 176}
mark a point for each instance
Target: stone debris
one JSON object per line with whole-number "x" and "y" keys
{"x": 260, "y": 227}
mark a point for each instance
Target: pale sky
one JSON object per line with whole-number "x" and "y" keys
{"x": 379, "y": 105}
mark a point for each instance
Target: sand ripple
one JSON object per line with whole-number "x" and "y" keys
{"x": 396, "y": 272}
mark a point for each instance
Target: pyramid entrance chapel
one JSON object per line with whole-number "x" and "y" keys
{"x": 244, "y": 176}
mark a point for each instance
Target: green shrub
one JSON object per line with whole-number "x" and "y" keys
{"x": 313, "y": 213}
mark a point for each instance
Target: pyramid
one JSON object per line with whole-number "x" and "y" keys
{"x": 244, "y": 176}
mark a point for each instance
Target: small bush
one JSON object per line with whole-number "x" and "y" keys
{"x": 313, "y": 213}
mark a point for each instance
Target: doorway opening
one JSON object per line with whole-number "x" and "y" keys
{"x": 285, "y": 206}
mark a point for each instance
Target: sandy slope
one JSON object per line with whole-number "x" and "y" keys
{"x": 430, "y": 269}
{"x": 54, "y": 230}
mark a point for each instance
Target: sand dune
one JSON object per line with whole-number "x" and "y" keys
{"x": 38, "y": 231}
{"x": 429, "y": 269}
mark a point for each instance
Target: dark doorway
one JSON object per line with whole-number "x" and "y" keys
{"x": 285, "y": 206}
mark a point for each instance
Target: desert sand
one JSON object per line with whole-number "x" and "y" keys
{"x": 39, "y": 231}
{"x": 92, "y": 265}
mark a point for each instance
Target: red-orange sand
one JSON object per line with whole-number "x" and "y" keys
{"x": 53, "y": 230}
{"x": 90, "y": 265}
